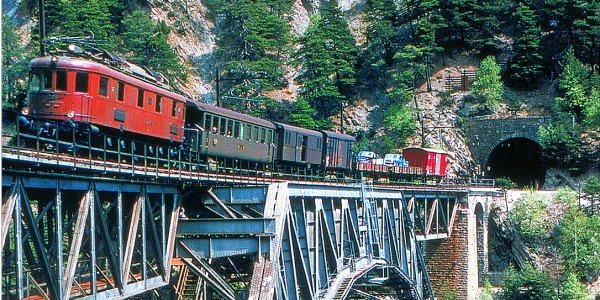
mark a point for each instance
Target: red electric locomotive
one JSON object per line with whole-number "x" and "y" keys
{"x": 103, "y": 92}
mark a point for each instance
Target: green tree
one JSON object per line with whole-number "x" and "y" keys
{"x": 400, "y": 123}
{"x": 80, "y": 17}
{"x": 14, "y": 63}
{"x": 580, "y": 243}
{"x": 572, "y": 289}
{"x": 487, "y": 291}
{"x": 146, "y": 44}
{"x": 592, "y": 188}
{"x": 571, "y": 90}
{"x": 561, "y": 141}
{"x": 328, "y": 56}
{"x": 526, "y": 284}
{"x": 528, "y": 216}
{"x": 488, "y": 84}
{"x": 302, "y": 114}
{"x": 527, "y": 62}
{"x": 251, "y": 38}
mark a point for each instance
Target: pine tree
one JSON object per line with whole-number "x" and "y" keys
{"x": 252, "y": 36}
{"x": 328, "y": 56}
{"x": 147, "y": 45}
{"x": 572, "y": 289}
{"x": 302, "y": 113}
{"x": 526, "y": 64}
{"x": 80, "y": 17}
{"x": 488, "y": 83}
{"x": 14, "y": 63}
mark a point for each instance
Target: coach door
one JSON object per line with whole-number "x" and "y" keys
{"x": 300, "y": 148}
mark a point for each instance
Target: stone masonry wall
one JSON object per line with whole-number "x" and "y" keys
{"x": 452, "y": 263}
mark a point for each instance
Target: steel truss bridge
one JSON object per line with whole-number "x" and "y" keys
{"x": 85, "y": 228}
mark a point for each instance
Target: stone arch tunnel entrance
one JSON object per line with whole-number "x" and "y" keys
{"x": 519, "y": 159}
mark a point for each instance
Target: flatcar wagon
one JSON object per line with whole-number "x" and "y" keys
{"x": 432, "y": 162}
{"x": 114, "y": 97}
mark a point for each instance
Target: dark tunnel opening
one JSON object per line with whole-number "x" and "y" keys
{"x": 519, "y": 159}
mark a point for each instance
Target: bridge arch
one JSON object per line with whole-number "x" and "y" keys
{"x": 518, "y": 158}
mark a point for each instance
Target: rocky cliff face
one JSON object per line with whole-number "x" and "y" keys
{"x": 193, "y": 38}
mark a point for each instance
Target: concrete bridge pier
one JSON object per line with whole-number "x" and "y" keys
{"x": 458, "y": 265}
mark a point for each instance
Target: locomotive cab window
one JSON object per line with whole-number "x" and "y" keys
{"x": 174, "y": 110}
{"x": 158, "y": 107}
{"x": 140, "y": 100}
{"x": 61, "y": 80}
{"x": 120, "y": 91}
{"x": 81, "y": 82}
{"x": 103, "y": 87}
{"x": 47, "y": 80}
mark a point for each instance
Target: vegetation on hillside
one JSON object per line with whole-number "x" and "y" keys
{"x": 404, "y": 41}
{"x": 572, "y": 235}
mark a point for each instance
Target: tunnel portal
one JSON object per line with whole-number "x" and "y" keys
{"x": 520, "y": 160}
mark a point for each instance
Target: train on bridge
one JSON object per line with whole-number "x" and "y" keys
{"x": 94, "y": 98}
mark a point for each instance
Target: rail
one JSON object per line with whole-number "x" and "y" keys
{"x": 66, "y": 146}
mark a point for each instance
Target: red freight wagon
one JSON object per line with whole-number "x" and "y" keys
{"x": 433, "y": 162}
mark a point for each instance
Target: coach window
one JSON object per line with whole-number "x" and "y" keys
{"x": 255, "y": 134}
{"x": 287, "y": 137}
{"x": 81, "y": 82}
{"x": 174, "y": 110}
{"x": 140, "y": 99}
{"x": 222, "y": 126}
{"x": 61, "y": 80}
{"x": 269, "y": 136}
{"x": 236, "y": 130}
{"x": 229, "y": 128}
{"x": 103, "y": 87}
{"x": 207, "y": 122}
{"x": 248, "y": 132}
{"x": 158, "y": 103}
{"x": 263, "y": 135}
{"x": 120, "y": 91}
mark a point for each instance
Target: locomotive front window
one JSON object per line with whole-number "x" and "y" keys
{"x": 61, "y": 80}
{"x": 81, "y": 82}
{"x": 120, "y": 91}
{"x": 47, "y": 80}
{"x": 103, "y": 88}
{"x": 35, "y": 81}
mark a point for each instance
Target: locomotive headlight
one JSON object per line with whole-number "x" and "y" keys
{"x": 25, "y": 111}
{"x": 54, "y": 60}
{"x": 71, "y": 113}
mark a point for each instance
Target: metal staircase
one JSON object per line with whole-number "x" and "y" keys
{"x": 371, "y": 220}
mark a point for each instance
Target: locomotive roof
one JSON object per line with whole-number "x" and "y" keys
{"x": 305, "y": 131}
{"x": 125, "y": 71}
{"x": 229, "y": 113}
{"x": 341, "y": 136}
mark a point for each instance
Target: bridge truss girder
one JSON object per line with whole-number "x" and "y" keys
{"x": 74, "y": 239}
{"x": 324, "y": 242}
